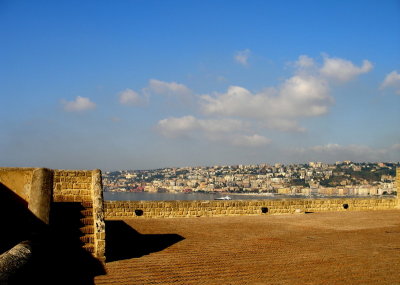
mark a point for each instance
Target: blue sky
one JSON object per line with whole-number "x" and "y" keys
{"x": 148, "y": 84}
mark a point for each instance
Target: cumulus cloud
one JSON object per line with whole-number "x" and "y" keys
{"x": 392, "y": 80}
{"x": 173, "y": 90}
{"x": 250, "y": 141}
{"x": 242, "y": 57}
{"x": 175, "y": 127}
{"x": 304, "y": 61}
{"x": 306, "y": 94}
{"x": 168, "y": 88}
{"x": 80, "y": 104}
{"x": 299, "y": 96}
{"x": 343, "y": 70}
{"x": 284, "y": 125}
{"x": 229, "y": 131}
{"x": 131, "y": 98}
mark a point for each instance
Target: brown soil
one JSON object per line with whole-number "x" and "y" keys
{"x": 316, "y": 248}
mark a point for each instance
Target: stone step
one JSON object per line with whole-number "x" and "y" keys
{"x": 87, "y": 221}
{"x": 87, "y": 204}
{"x": 89, "y": 247}
{"x": 87, "y": 239}
{"x": 87, "y": 229}
{"x": 87, "y": 212}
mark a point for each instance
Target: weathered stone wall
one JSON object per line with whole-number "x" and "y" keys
{"x": 171, "y": 209}
{"x": 33, "y": 185}
{"x": 18, "y": 180}
{"x": 72, "y": 186}
{"x": 398, "y": 186}
{"x": 84, "y": 186}
{"x": 41, "y": 188}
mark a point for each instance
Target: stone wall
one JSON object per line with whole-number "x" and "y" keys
{"x": 172, "y": 209}
{"x": 33, "y": 185}
{"x": 18, "y": 180}
{"x": 398, "y": 186}
{"x": 44, "y": 190}
{"x": 85, "y": 187}
{"x": 72, "y": 186}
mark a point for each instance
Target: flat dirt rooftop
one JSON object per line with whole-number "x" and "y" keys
{"x": 315, "y": 248}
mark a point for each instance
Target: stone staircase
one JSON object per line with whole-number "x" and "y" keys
{"x": 74, "y": 221}
{"x": 87, "y": 229}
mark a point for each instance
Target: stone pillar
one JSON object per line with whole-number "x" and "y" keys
{"x": 41, "y": 193}
{"x": 98, "y": 216}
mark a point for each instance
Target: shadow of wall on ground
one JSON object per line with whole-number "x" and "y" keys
{"x": 56, "y": 255}
{"x": 124, "y": 242}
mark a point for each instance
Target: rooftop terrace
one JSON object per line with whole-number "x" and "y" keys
{"x": 360, "y": 247}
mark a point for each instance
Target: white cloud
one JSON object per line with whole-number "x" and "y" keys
{"x": 78, "y": 105}
{"x": 175, "y": 127}
{"x": 305, "y": 94}
{"x": 242, "y": 57}
{"x": 284, "y": 125}
{"x": 250, "y": 141}
{"x": 229, "y": 131}
{"x": 168, "y": 88}
{"x": 299, "y": 96}
{"x": 172, "y": 90}
{"x": 304, "y": 61}
{"x": 343, "y": 70}
{"x": 130, "y": 97}
{"x": 237, "y": 115}
{"x": 392, "y": 80}
{"x": 221, "y": 125}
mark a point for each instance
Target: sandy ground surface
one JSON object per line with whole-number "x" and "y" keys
{"x": 317, "y": 248}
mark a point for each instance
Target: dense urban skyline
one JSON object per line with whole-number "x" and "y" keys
{"x": 315, "y": 178}
{"x": 151, "y": 84}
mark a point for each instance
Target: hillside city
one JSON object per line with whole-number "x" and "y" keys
{"x": 315, "y": 178}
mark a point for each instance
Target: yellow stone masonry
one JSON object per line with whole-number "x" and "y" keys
{"x": 85, "y": 187}
{"x": 398, "y": 186}
{"x": 72, "y": 185}
{"x": 45, "y": 189}
{"x": 171, "y": 209}
{"x": 18, "y": 180}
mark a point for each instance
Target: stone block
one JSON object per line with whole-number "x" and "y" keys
{"x": 101, "y": 245}
{"x": 57, "y": 198}
{"x": 76, "y": 186}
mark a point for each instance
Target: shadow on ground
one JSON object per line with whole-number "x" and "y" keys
{"x": 62, "y": 260}
{"x": 124, "y": 242}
